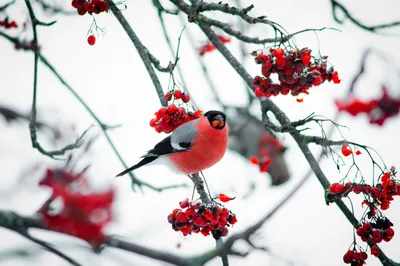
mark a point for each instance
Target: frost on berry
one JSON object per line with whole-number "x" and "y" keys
{"x": 297, "y": 72}
{"x": 197, "y": 217}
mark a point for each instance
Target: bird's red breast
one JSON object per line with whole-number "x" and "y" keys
{"x": 208, "y": 148}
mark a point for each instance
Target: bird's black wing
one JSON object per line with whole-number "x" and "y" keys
{"x": 165, "y": 147}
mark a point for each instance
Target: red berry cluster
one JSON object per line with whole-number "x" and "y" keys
{"x": 355, "y": 258}
{"x": 83, "y": 214}
{"x": 379, "y": 229}
{"x": 7, "y": 24}
{"x": 297, "y": 72}
{"x": 374, "y": 223}
{"x": 378, "y": 110}
{"x": 169, "y": 118}
{"x": 201, "y": 218}
{"x": 91, "y": 6}
{"x": 379, "y": 195}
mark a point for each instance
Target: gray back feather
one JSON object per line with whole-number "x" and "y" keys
{"x": 184, "y": 135}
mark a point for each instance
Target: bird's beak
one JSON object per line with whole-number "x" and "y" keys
{"x": 218, "y": 121}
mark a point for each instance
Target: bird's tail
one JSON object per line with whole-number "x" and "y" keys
{"x": 145, "y": 161}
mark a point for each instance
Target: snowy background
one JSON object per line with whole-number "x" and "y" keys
{"x": 111, "y": 78}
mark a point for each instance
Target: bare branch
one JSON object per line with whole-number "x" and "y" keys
{"x": 337, "y": 6}
{"x": 142, "y": 50}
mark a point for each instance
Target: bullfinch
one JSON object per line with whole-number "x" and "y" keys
{"x": 192, "y": 147}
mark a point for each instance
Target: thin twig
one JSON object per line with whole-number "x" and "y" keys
{"x": 102, "y": 125}
{"x": 336, "y": 5}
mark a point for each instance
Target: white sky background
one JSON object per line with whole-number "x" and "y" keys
{"x": 111, "y": 78}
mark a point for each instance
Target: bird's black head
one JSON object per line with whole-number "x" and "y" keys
{"x": 217, "y": 119}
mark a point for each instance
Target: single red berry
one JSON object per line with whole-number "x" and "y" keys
{"x": 360, "y": 231}
{"x": 153, "y": 122}
{"x": 184, "y": 203}
{"x": 217, "y": 210}
{"x": 258, "y": 93}
{"x": 223, "y": 231}
{"x": 175, "y": 211}
{"x": 160, "y": 113}
{"x": 185, "y": 98}
{"x": 335, "y": 77}
{"x": 171, "y": 218}
{"x": 198, "y": 220}
{"x": 385, "y": 178}
{"x": 206, "y": 231}
{"x": 222, "y": 221}
{"x": 91, "y": 40}
{"x": 172, "y": 109}
{"x": 280, "y": 63}
{"x": 367, "y": 228}
{"x": 168, "y": 96}
{"x": 385, "y": 205}
{"x": 232, "y": 219}
{"x": 198, "y": 113}
{"x": 389, "y": 232}
{"x": 178, "y": 94}
{"x": 357, "y": 189}
{"x": 376, "y": 236}
{"x": 181, "y": 217}
{"x": 317, "y": 81}
{"x": 190, "y": 213}
{"x": 358, "y": 152}
{"x": 357, "y": 256}
{"x": 306, "y": 58}
{"x": 363, "y": 255}
{"x": 224, "y": 212}
{"x": 336, "y": 188}
{"x": 208, "y": 214}
{"x": 278, "y": 52}
{"x": 375, "y": 251}
{"x": 74, "y": 4}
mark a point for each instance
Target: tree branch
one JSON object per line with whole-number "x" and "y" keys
{"x": 142, "y": 50}
{"x": 336, "y": 5}
{"x": 283, "y": 120}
